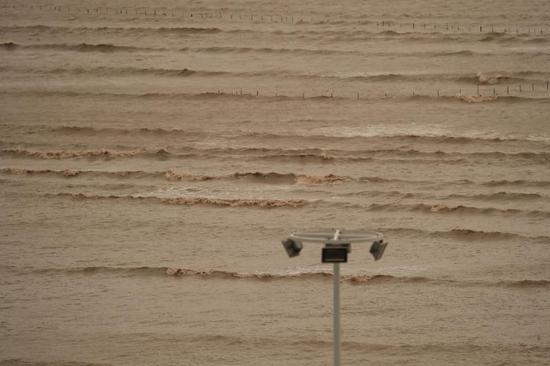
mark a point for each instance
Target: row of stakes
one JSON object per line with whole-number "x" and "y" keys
{"x": 509, "y": 91}
{"x": 461, "y": 28}
{"x": 275, "y": 18}
{"x": 173, "y": 12}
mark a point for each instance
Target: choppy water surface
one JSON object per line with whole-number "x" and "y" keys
{"x": 153, "y": 155}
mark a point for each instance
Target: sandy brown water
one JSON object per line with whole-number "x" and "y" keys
{"x": 139, "y": 137}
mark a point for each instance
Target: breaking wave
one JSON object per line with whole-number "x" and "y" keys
{"x": 454, "y": 53}
{"x": 356, "y": 279}
{"x": 170, "y": 175}
{"x": 290, "y": 178}
{"x": 267, "y": 50}
{"x": 10, "y": 46}
{"x": 108, "y": 47}
{"x": 333, "y": 34}
{"x": 491, "y": 78}
{"x": 276, "y": 178}
{"x": 527, "y": 284}
{"x": 251, "y": 95}
{"x": 464, "y": 235}
{"x": 297, "y": 203}
{"x": 505, "y": 197}
{"x": 80, "y": 47}
{"x": 509, "y": 38}
{"x": 485, "y": 78}
{"x": 336, "y": 135}
{"x": 474, "y": 99}
{"x": 117, "y": 30}
{"x": 500, "y": 196}
{"x": 123, "y": 71}
{"x": 190, "y": 201}
{"x": 519, "y": 182}
{"x": 460, "y": 209}
{"x": 67, "y": 154}
{"x": 164, "y": 154}
{"x": 85, "y": 130}
{"x": 22, "y": 362}
{"x": 184, "y": 272}
{"x": 311, "y": 154}
{"x": 271, "y": 177}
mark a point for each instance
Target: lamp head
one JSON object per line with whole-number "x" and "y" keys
{"x": 377, "y": 249}
{"x": 293, "y": 247}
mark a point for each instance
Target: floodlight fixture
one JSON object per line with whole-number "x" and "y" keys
{"x": 337, "y": 247}
{"x": 293, "y": 247}
{"x": 377, "y": 249}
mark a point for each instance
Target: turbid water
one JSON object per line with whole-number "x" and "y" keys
{"x": 140, "y": 137}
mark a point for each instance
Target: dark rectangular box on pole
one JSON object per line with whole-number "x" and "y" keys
{"x": 335, "y": 255}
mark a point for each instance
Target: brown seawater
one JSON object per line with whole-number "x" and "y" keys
{"x": 154, "y": 154}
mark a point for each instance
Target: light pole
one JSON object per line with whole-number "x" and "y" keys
{"x": 337, "y": 246}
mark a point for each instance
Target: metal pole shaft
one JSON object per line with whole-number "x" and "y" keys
{"x": 336, "y": 311}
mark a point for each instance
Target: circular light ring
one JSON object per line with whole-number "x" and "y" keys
{"x": 345, "y": 236}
